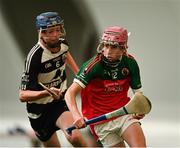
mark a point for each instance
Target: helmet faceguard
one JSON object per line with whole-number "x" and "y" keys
{"x": 117, "y": 36}
{"x": 113, "y": 36}
{"x": 49, "y": 19}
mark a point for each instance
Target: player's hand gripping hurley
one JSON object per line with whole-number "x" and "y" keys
{"x": 52, "y": 93}
{"x": 139, "y": 104}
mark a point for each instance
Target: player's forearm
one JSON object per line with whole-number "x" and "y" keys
{"x": 29, "y": 95}
{"x": 72, "y": 105}
{"x": 71, "y": 63}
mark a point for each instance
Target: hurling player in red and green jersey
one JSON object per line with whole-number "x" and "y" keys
{"x": 104, "y": 81}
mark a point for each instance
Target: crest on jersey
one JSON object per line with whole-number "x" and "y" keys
{"x": 125, "y": 71}
{"x": 48, "y": 65}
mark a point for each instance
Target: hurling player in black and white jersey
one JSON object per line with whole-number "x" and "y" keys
{"x": 46, "y": 63}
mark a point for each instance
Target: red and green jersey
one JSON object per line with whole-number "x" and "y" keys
{"x": 105, "y": 88}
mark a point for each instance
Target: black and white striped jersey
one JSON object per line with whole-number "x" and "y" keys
{"x": 48, "y": 68}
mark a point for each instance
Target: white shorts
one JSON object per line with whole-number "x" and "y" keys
{"x": 109, "y": 133}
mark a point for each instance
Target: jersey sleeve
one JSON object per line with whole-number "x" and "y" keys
{"x": 135, "y": 82}
{"x": 86, "y": 73}
{"x": 29, "y": 79}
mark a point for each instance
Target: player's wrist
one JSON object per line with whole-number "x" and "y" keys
{"x": 45, "y": 93}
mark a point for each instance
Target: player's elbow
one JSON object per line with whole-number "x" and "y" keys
{"x": 66, "y": 96}
{"x": 22, "y": 96}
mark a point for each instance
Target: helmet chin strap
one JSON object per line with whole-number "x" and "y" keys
{"x": 55, "y": 45}
{"x": 112, "y": 64}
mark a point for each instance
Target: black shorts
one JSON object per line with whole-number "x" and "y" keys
{"x": 45, "y": 116}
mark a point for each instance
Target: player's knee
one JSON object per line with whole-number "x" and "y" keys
{"x": 76, "y": 139}
{"x": 139, "y": 143}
